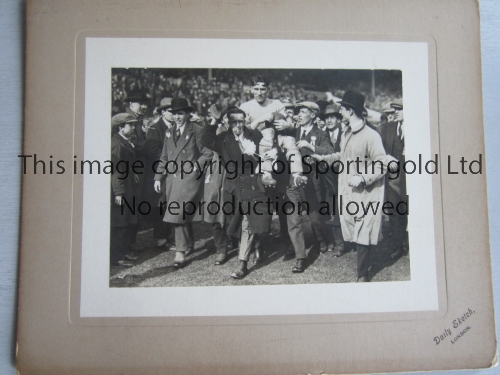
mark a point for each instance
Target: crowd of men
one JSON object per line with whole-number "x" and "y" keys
{"x": 258, "y": 136}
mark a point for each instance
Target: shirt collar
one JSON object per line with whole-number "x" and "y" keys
{"x": 356, "y": 126}
{"x": 306, "y": 128}
{"x": 240, "y": 137}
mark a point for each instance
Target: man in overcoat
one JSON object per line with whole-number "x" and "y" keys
{"x": 394, "y": 143}
{"x": 244, "y": 187}
{"x": 360, "y": 188}
{"x": 154, "y": 145}
{"x": 136, "y": 102}
{"x": 123, "y": 188}
{"x": 182, "y": 147}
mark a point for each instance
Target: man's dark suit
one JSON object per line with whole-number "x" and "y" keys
{"x": 313, "y": 190}
{"x": 395, "y": 188}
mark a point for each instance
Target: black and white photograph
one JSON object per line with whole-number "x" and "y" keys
{"x": 255, "y": 175}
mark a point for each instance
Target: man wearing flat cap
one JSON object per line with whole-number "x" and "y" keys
{"x": 333, "y": 120}
{"x": 394, "y": 144}
{"x": 137, "y": 102}
{"x": 123, "y": 222}
{"x": 389, "y": 111}
{"x": 312, "y": 140}
{"x": 154, "y": 145}
{"x": 182, "y": 145}
{"x": 359, "y": 187}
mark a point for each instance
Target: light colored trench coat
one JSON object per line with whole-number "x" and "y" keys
{"x": 365, "y": 226}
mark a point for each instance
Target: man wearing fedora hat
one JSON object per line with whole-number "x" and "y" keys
{"x": 123, "y": 222}
{"x": 154, "y": 145}
{"x": 312, "y": 140}
{"x": 394, "y": 144}
{"x": 182, "y": 144}
{"x": 359, "y": 187}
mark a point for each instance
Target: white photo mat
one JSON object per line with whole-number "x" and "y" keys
{"x": 99, "y": 300}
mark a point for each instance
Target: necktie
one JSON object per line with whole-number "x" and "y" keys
{"x": 303, "y": 136}
{"x": 401, "y": 133}
{"x": 177, "y": 135}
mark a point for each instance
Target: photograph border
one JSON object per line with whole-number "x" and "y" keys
{"x": 79, "y": 133}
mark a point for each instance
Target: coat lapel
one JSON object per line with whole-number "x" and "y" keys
{"x": 391, "y": 132}
{"x": 232, "y": 146}
{"x": 183, "y": 140}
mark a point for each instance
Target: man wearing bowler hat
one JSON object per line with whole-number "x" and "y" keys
{"x": 361, "y": 187}
{"x": 123, "y": 221}
{"x": 394, "y": 144}
{"x": 182, "y": 145}
{"x": 154, "y": 146}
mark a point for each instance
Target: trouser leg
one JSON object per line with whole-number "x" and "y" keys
{"x": 363, "y": 259}
{"x": 283, "y": 224}
{"x": 319, "y": 227}
{"x": 266, "y": 144}
{"x": 246, "y": 240}
{"x": 182, "y": 239}
{"x": 190, "y": 239}
{"x": 294, "y": 223}
{"x": 133, "y": 229}
{"x": 119, "y": 243}
{"x": 292, "y": 153}
{"x": 220, "y": 238}
{"x": 398, "y": 225}
{"x": 161, "y": 229}
{"x": 337, "y": 236}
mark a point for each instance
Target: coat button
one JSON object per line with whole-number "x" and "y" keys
{"x": 253, "y": 187}
{"x": 183, "y": 151}
{"x": 171, "y": 152}
{"x": 175, "y": 175}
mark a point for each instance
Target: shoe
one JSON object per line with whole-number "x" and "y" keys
{"x": 289, "y": 253}
{"x": 166, "y": 244}
{"x": 242, "y": 272}
{"x": 189, "y": 251}
{"x": 363, "y": 279}
{"x": 400, "y": 251}
{"x": 131, "y": 257}
{"x": 300, "y": 180}
{"x": 124, "y": 263}
{"x": 338, "y": 251}
{"x": 300, "y": 266}
{"x": 179, "y": 263}
{"x": 267, "y": 180}
{"x": 179, "y": 260}
{"x": 220, "y": 260}
{"x": 323, "y": 247}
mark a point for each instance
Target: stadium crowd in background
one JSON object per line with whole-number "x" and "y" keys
{"x": 164, "y": 120}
